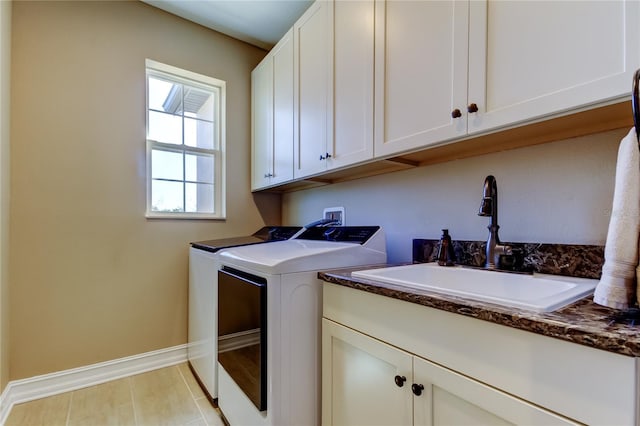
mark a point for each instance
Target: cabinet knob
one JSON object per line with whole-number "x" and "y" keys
{"x": 268, "y": 175}
{"x": 322, "y": 157}
{"x": 417, "y": 389}
{"x": 400, "y": 381}
{"x": 327, "y": 155}
{"x": 456, "y": 113}
{"x": 472, "y": 108}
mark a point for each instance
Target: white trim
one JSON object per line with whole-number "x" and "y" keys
{"x": 18, "y": 391}
{"x": 216, "y": 86}
{"x": 165, "y": 215}
{"x": 241, "y": 339}
{"x": 182, "y": 74}
{"x": 5, "y": 406}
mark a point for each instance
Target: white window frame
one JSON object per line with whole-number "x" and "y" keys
{"x": 218, "y": 151}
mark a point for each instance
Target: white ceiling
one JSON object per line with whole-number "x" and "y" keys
{"x": 258, "y": 22}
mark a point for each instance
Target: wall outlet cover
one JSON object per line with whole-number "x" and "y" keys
{"x": 335, "y": 213}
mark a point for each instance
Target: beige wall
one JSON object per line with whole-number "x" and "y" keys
{"x": 91, "y": 278}
{"x": 5, "y": 73}
{"x": 558, "y": 193}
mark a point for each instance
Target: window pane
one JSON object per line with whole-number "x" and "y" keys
{"x": 184, "y": 137}
{"x": 166, "y": 196}
{"x": 165, "y": 128}
{"x": 199, "y": 198}
{"x": 166, "y": 165}
{"x": 198, "y": 103}
{"x": 199, "y": 168}
{"x": 198, "y": 133}
{"x": 165, "y": 96}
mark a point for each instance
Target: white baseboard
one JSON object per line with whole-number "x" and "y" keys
{"x": 241, "y": 339}
{"x": 37, "y": 387}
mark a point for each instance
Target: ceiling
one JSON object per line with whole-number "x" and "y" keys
{"x": 258, "y": 22}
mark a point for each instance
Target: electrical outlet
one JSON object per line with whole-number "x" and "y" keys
{"x": 335, "y": 213}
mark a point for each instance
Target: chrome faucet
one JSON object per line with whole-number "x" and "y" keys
{"x": 489, "y": 208}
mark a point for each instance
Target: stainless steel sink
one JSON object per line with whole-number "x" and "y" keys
{"x": 537, "y": 292}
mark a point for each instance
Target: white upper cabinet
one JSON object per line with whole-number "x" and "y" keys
{"x": 354, "y": 80}
{"x": 272, "y": 116}
{"x": 528, "y": 59}
{"x": 525, "y": 60}
{"x": 313, "y": 86}
{"x": 334, "y": 82}
{"x": 283, "y": 103}
{"x": 421, "y": 73}
{"x": 261, "y": 124}
{"x": 353, "y": 49}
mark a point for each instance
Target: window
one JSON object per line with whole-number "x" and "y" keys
{"x": 185, "y": 144}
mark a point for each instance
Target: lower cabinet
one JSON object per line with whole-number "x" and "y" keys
{"x": 367, "y": 381}
{"x": 358, "y": 380}
{"x": 469, "y": 369}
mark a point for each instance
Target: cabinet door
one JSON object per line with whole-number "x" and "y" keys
{"x": 421, "y": 73}
{"x": 528, "y": 59}
{"x": 449, "y": 398}
{"x": 313, "y": 89}
{"x": 358, "y": 375}
{"x": 282, "y": 55}
{"x": 353, "y": 29}
{"x": 261, "y": 124}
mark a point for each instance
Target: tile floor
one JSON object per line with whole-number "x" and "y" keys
{"x": 169, "y": 396}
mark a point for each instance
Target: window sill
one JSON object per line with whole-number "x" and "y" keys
{"x": 188, "y": 216}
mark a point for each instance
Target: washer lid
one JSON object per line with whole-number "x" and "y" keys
{"x": 263, "y": 235}
{"x": 304, "y": 255}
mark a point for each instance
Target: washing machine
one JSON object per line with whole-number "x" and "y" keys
{"x": 269, "y": 322}
{"x": 203, "y": 293}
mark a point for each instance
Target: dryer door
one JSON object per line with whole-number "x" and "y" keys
{"x": 242, "y": 332}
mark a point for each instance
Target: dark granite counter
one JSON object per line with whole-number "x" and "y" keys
{"x": 583, "y": 322}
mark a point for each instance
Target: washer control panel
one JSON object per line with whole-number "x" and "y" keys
{"x": 345, "y": 234}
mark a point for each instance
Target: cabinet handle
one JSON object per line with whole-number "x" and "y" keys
{"x": 456, "y": 113}
{"x": 472, "y": 108}
{"x": 322, "y": 157}
{"x": 327, "y": 156}
{"x": 400, "y": 381}
{"x": 268, "y": 175}
{"x": 417, "y": 389}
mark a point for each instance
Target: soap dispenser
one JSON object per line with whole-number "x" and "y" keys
{"x": 446, "y": 254}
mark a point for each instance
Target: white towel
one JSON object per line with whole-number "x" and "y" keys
{"x": 618, "y": 285}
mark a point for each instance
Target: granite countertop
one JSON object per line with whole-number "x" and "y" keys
{"x": 583, "y": 322}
